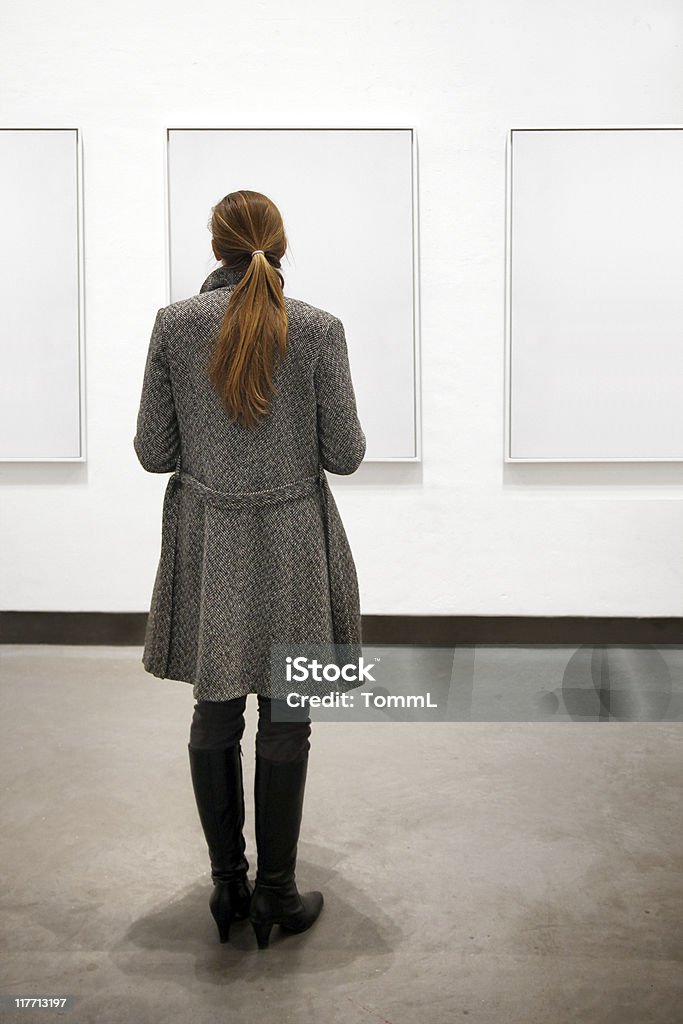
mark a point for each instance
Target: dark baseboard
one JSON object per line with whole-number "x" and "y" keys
{"x": 128, "y": 629}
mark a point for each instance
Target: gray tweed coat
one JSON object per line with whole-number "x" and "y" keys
{"x": 253, "y": 549}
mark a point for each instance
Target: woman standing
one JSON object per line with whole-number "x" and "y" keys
{"x": 247, "y": 397}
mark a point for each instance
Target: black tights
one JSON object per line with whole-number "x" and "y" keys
{"x": 220, "y": 723}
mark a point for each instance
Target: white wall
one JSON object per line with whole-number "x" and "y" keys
{"x": 461, "y": 533}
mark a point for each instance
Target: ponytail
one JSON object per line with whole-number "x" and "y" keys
{"x": 252, "y": 339}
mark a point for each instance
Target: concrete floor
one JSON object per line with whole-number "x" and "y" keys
{"x": 480, "y": 871}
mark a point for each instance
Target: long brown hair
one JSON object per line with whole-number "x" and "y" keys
{"x": 253, "y": 335}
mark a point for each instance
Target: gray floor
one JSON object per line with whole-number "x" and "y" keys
{"x": 488, "y": 871}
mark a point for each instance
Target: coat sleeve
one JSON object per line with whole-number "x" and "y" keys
{"x": 340, "y": 437}
{"x": 157, "y": 440}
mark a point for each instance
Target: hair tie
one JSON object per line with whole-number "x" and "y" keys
{"x": 257, "y": 250}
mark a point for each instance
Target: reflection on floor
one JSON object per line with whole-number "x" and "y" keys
{"x": 479, "y": 861}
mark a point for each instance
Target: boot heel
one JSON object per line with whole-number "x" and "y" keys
{"x": 221, "y": 910}
{"x": 262, "y": 929}
{"x": 223, "y": 928}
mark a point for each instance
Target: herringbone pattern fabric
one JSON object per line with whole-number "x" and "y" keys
{"x": 253, "y": 549}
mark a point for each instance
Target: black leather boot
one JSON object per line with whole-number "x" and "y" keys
{"x": 219, "y": 793}
{"x": 278, "y": 798}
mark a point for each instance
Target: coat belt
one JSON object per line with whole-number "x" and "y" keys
{"x": 244, "y": 499}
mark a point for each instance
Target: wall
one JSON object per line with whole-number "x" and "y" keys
{"x": 461, "y": 533}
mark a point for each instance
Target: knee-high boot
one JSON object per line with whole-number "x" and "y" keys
{"x": 219, "y": 793}
{"x": 278, "y": 798}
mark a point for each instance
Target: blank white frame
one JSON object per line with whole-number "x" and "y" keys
{"x": 406, "y": 413}
{"x": 42, "y": 344}
{"x": 593, "y": 363}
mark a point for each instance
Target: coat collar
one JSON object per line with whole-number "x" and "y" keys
{"x": 222, "y": 277}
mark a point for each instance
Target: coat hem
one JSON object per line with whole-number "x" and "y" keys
{"x": 264, "y": 691}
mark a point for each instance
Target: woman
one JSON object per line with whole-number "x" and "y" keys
{"x": 247, "y": 396}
